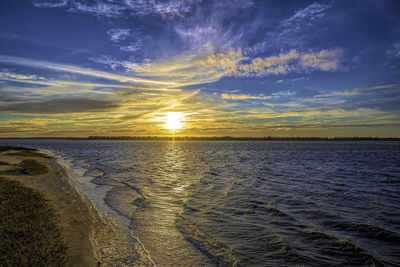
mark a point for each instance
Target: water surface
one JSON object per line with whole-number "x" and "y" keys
{"x": 250, "y": 203}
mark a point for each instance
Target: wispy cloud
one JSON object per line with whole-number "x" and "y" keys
{"x": 361, "y": 91}
{"x": 51, "y": 4}
{"x": 302, "y": 26}
{"x": 132, "y": 47}
{"x": 309, "y": 13}
{"x": 393, "y": 52}
{"x": 205, "y": 67}
{"x": 114, "y": 8}
{"x": 161, "y": 52}
{"x": 242, "y": 96}
{"x": 98, "y": 8}
{"x": 4, "y": 75}
{"x": 61, "y": 105}
{"x": 73, "y": 69}
{"x": 259, "y": 97}
{"x": 109, "y": 61}
{"x": 293, "y": 61}
{"x": 118, "y": 35}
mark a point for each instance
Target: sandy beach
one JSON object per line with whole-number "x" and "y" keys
{"x": 79, "y": 222}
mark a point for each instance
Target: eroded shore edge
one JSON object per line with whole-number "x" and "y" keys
{"x": 85, "y": 232}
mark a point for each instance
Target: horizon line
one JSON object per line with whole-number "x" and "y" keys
{"x": 225, "y": 137}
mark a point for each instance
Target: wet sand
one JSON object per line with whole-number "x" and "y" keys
{"x": 81, "y": 225}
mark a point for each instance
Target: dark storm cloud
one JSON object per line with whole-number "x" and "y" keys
{"x": 61, "y": 105}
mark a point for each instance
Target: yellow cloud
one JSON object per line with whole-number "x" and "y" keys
{"x": 14, "y": 76}
{"x": 77, "y": 70}
{"x": 208, "y": 66}
{"x": 325, "y": 60}
{"x": 242, "y": 97}
{"x": 358, "y": 91}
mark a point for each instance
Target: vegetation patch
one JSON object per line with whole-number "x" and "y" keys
{"x": 22, "y": 151}
{"x": 13, "y": 171}
{"x": 32, "y": 167}
{"x": 17, "y": 148}
{"x": 29, "y": 231}
{"x": 28, "y": 154}
{"x": 27, "y": 166}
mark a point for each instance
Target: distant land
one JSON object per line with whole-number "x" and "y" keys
{"x": 229, "y": 138}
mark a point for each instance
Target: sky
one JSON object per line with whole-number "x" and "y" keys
{"x": 76, "y": 68}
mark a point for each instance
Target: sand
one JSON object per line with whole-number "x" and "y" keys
{"x": 78, "y": 219}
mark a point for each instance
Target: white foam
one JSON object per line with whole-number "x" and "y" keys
{"x": 95, "y": 195}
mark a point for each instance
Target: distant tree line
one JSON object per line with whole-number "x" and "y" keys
{"x": 265, "y": 138}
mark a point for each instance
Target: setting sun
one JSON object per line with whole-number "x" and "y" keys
{"x": 174, "y": 120}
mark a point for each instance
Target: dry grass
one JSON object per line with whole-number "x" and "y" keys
{"x": 29, "y": 231}
{"x": 27, "y": 166}
{"x": 22, "y": 151}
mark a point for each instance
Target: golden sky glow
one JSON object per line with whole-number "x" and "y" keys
{"x": 271, "y": 72}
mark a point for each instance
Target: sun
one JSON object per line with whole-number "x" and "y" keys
{"x": 174, "y": 120}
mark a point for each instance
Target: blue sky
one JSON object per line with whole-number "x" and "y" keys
{"x": 240, "y": 68}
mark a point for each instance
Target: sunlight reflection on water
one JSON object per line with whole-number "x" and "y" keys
{"x": 257, "y": 203}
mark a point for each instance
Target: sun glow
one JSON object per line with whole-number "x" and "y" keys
{"x": 174, "y": 120}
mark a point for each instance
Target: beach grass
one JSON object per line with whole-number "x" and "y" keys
{"x": 32, "y": 167}
{"x": 30, "y": 234}
{"x": 22, "y": 151}
{"x": 15, "y": 148}
{"x": 27, "y": 166}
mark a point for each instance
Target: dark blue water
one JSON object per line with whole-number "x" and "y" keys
{"x": 227, "y": 203}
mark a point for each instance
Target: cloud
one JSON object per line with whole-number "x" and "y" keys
{"x": 302, "y": 26}
{"x": 50, "y": 3}
{"x": 133, "y": 47}
{"x": 115, "y": 8}
{"x": 61, "y": 105}
{"x": 393, "y": 52}
{"x": 293, "y": 61}
{"x": 130, "y": 37}
{"x": 109, "y": 61}
{"x": 33, "y": 85}
{"x": 310, "y": 13}
{"x": 321, "y": 125}
{"x": 4, "y": 75}
{"x": 213, "y": 23}
{"x": 282, "y": 94}
{"x": 194, "y": 22}
{"x": 242, "y": 97}
{"x": 261, "y": 96}
{"x": 360, "y": 91}
{"x": 118, "y": 35}
{"x": 73, "y": 69}
{"x": 97, "y": 8}
{"x": 206, "y": 67}
{"x": 197, "y": 35}
{"x": 324, "y": 60}
{"x": 303, "y": 19}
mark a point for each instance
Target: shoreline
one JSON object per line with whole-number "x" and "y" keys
{"x": 83, "y": 230}
{"x": 216, "y": 138}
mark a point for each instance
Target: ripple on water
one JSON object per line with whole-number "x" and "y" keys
{"x": 244, "y": 203}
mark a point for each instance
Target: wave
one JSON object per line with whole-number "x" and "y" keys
{"x": 343, "y": 250}
{"x": 366, "y": 231}
{"x": 112, "y": 245}
{"x": 218, "y": 252}
{"x": 125, "y": 200}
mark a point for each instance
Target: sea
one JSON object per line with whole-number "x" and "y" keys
{"x": 239, "y": 203}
